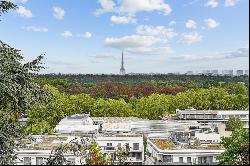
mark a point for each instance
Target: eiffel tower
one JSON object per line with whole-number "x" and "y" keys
{"x": 122, "y": 70}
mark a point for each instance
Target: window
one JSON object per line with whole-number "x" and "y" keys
{"x": 180, "y": 159}
{"x": 188, "y": 159}
{"x": 27, "y": 160}
{"x": 135, "y": 146}
{"x": 127, "y": 146}
{"x": 167, "y": 158}
{"x": 243, "y": 116}
{"x": 109, "y": 147}
{"x": 71, "y": 161}
{"x": 39, "y": 161}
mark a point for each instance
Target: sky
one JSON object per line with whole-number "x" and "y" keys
{"x": 157, "y": 36}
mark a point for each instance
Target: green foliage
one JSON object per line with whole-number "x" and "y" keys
{"x": 233, "y": 124}
{"x": 236, "y": 148}
{"x": 9, "y": 133}
{"x": 43, "y": 118}
{"x": 18, "y": 90}
{"x": 154, "y": 106}
{"x": 88, "y": 152}
{"x": 111, "y": 108}
{"x": 5, "y": 6}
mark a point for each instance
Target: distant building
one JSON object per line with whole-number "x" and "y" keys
{"x": 247, "y": 72}
{"x": 122, "y": 70}
{"x": 189, "y": 73}
{"x": 206, "y": 72}
{"x": 227, "y": 72}
{"x": 215, "y": 72}
{"x": 239, "y": 72}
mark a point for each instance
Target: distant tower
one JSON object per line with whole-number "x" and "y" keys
{"x": 122, "y": 70}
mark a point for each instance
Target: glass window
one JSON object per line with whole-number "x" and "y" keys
{"x": 167, "y": 158}
{"x": 27, "y": 160}
{"x": 188, "y": 159}
{"x": 39, "y": 161}
{"x": 135, "y": 146}
{"x": 109, "y": 144}
{"x": 109, "y": 147}
{"x": 71, "y": 161}
{"x": 180, "y": 159}
{"x": 127, "y": 146}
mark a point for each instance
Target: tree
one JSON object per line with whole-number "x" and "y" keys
{"x": 236, "y": 148}
{"x": 85, "y": 148}
{"x": 18, "y": 89}
{"x": 5, "y": 6}
{"x": 154, "y": 106}
{"x": 233, "y": 124}
{"x": 89, "y": 153}
{"x": 18, "y": 92}
{"x": 9, "y": 133}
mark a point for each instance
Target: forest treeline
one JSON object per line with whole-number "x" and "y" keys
{"x": 204, "y": 81}
{"x": 108, "y": 89}
{"x": 43, "y": 118}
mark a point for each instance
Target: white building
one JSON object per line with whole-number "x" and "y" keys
{"x": 133, "y": 143}
{"x": 215, "y": 117}
{"x": 110, "y": 134}
{"x": 180, "y": 155}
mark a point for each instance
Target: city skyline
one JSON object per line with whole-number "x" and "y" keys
{"x": 161, "y": 36}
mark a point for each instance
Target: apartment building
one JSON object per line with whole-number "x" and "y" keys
{"x": 214, "y": 117}
{"x": 164, "y": 152}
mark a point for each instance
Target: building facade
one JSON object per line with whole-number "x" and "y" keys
{"x": 215, "y": 117}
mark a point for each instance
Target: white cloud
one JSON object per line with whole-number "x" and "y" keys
{"x": 211, "y": 23}
{"x": 24, "y": 1}
{"x": 127, "y": 9}
{"x": 230, "y": 3}
{"x": 132, "y": 7}
{"x": 239, "y": 53}
{"x": 191, "y": 24}
{"x": 150, "y": 50}
{"x": 171, "y": 23}
{"x": 160, "y": 31}
{"x": 190, "y": 38}
{"x": 192, "y": 57}
{"x": 35, "y": 29}
{"x": 107, "y": 6}
{"x": 85, "y": 35}
{"x": 148, "y": 40}
{"x": 122, "y": 19}
{"x": 58, "y": 13}
{"x": 212, "y": 3}
{"x": 22, "y": 11}
{"x": 67, "y": 34}
{"x": 132, "y": 41}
